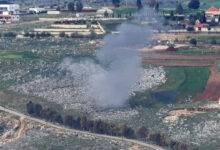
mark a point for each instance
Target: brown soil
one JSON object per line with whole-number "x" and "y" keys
{"x": 180, "y": 56}
{"x": 212, "y": 87}
{"x": 21, "y": 128}
{"x": 178, "y": 63}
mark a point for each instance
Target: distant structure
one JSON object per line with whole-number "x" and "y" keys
{"x": 202, "y": 27}
{"x": 9, "y": 11}
{"x": 101, "y": 12}
{"x": 213, "y": 15}
{"x": 37, "y": 10}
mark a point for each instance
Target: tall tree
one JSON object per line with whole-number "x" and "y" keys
{"x": 79, "y": 6}
{"x": 37, "y": 109}
{"x": 139, "y": 4}
{"x": 30, "y": 107}
{"x": 142, "y": 132}
{"x": 157, "y": 6}
{"x": 152, "y": 3}
{"x": 179, "y": 8}
{"x": 116, "y": 3}
{"x": 71, "y": 6}
{"x": 194, "y": 4}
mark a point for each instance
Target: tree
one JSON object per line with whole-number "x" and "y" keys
{"x": 116, "y": 3}
{"x": 62, "y": 34}
{"x": 179, "y": 8}
{"x": 213, "y": 42}
{"x": 68, "y": 121}
{"x": 139, "y": 4}
{"x": 142, "y": 132}
{"x": 106, "y": 14}
{"x": 58, "y": 8}
{"x": 71, "y": 6}
{"x": 59, "y": 119}
{"x": 193, "y": 42}
{"x": 152, "y": 3}
{"x": 37, "y": 109}
{"x": 79, "y": 6}
{"x": 157, "y": 6}
{"x": 30, "y": 107}
{"x": 202, "y": 17}
{"x": 194, "y": 4}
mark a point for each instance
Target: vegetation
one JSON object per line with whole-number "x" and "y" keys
{"x": 79, "y": 6}
{"x": 194, "y": 4}
{"x": 193, "y": 42}
{"x": 101, "y": 127}
{"x": 187, "y": 81}
{"x": 179, "y": 8}
{"x": 71, "y": 6}
{"x": 116, "y": 3}
{"x": 139, "y": 4}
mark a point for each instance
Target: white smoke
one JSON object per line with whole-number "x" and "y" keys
{"x": 111, "y": 81}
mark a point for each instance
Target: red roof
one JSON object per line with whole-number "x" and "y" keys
{"x": 5, "y": 16}
{"x": 201, "y": 25}
{"x": 213, "y": 8}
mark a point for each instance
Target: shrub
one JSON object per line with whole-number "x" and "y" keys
{"x": 62, "y": 34}
{"x": 10, "y": 34}
{"x": 193, "y": 42}
{"x": 190, "y": 29}
{"x": 213, "y": 42}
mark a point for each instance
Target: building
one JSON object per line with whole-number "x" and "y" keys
{"x": 9, "y": 11}
{"x": 101, "y": 12}
{"x": 53, "y": 12}
{"x": 212, "y": 15}
{"x": 202, "y": 27}
{"x": 37, "y": 10}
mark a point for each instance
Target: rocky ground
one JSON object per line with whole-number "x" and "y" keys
{"x": 71, "y": 90}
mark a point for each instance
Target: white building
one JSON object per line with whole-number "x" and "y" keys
{"x": 37, "y": 10}
{"x": 9, "y": 10}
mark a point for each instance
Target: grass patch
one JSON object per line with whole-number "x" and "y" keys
{"x": 18, "y": 55}
{"x": 187, "y": 81}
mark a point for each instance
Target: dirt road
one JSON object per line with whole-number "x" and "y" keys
{"x": 21, "y": 127}
{"x": 177, "y": 63}
{"x": 212, "y": 87}
{"x": 180, "y": 56}
{"x": 155, "y": 147}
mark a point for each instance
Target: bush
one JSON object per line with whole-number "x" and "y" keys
{"x": 10, "y": 34}
{"x": 190, "y": 29}
{"x": 193, "y": 42}
{"x": 62, "y": 34}
{"x": 214, "y": 42}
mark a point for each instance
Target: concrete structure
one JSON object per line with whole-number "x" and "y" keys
{"x": 101, "y": 12}
{"x": 37, "y": 10}
{"x": 9, "y": 11}
{"x": 213, "y": 15}
{"x": 201, "y": 27}
{"x": 53, "y": 12}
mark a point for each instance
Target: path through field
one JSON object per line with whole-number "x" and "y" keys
{"x": 154, "y": 147}
{"x": 212, "y": 87}
{"x": 177, "y": 63}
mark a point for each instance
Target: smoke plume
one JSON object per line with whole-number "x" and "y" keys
{"x": 112, "y": 80}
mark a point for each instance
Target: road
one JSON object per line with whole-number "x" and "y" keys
{"x": 155, "y": 147}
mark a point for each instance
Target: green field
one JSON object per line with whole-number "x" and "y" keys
{"x": 18, "y": 55}
{"x": 187, "y": 81}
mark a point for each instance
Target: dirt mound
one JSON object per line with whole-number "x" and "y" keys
{"x": 212, "y": 87}
{"x": 178, "y": 63}
{"x": 180, "y": 56}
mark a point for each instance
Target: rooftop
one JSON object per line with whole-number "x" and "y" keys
{"x": 213, "y": 8}
{"x": 5, "y": 2}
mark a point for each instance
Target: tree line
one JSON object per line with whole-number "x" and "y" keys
{"x": 102, "y": 127}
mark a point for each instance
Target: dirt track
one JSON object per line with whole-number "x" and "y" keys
{"x": 180, "y": 56}
{"x": 144, "y": 144}
{"x": 212, "y": 87}
{"x": 178, "y": 63}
